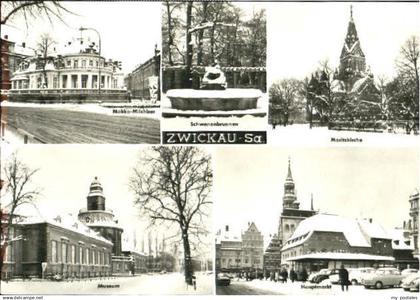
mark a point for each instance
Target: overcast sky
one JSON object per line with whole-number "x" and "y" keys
{"x": 66, "y": 172}
{"x": 302, "y": 34}
{"x": 355, "y": 182}
{"x": 129, "y": 30}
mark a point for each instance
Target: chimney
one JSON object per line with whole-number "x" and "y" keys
{"x": 23, "y": 44}
{"x": 227, "y": 228}
{"x": 370, "y": 220}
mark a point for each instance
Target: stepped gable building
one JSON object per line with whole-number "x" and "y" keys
{"x": 291, "y": 215}
{"x": 327, "y": 241}
{"x": 354, "y": 80}
{"x": 239, "y": 252}
{"x": 252, "y": 248}
{"x": 272, "y": 257}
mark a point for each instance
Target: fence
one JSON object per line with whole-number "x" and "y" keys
{"x": 175, "y": 77}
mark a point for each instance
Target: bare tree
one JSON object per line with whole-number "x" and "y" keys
{"x": 408, "y": 62}
{"x": 44, "y": 46}
{"x": 172, "y": 186}
{"x": 17, "y": 181}
{"x": 32, "y": 10}
{"x": 284, "y": 99}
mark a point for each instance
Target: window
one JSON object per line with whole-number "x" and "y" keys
{"x": 68, "y": 63}
{"x": 83, "y": 63}
{"x": 73, "y": 254}
{"x": 64, "y": 252}
{"x": 84, "y": 81}
{"x": 64, "y": 82}
{"x": 74, "y": 81}
{"x": 80, "y": 260}
{"x": 90, "y": 63}
{"x": 55, "y": 82}
{"x": 54, "y": 253}
{"x": 75, "y": 64}
{"x": 87, "y": 258}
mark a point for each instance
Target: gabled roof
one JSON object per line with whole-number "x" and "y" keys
{"x": 358, "y": 233}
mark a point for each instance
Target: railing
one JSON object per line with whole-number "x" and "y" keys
{"x": 65, "y": 91}
{"x": 174, "y": 77}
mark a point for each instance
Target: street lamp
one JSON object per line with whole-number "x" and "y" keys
{"x": 99, "y": 51}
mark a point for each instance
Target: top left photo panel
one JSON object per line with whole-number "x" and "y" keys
{"x": 80, "y": 72}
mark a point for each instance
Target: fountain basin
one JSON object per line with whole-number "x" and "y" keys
{"x": 214, "y": 100}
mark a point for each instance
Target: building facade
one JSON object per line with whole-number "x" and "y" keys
{"x": 78, "y": 74}
{"x": 144, "y": 81}
{"x": 272, "y": 256}
{"x": 327, "y": 241}
{"x": 59, "y": 246}
{"x": 252, "y": 248}
{"x": 291, "y": 214}
{"x": 412, "y": 226}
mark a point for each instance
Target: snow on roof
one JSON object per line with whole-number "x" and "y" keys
{"x": 344, "y": 256}
{"x": 228, "y": 236}
{"x": 357, "y": 232}
{"x": 337, "y": 86}
{"x": 359, "y": 84}
{"x": 68, "y": 222}
{"x": 401, "y": 241}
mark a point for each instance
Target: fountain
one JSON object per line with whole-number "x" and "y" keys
{"x": 214, "y": 96}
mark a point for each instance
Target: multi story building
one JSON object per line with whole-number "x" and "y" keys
{"x": 291, "y": 215}
{"x": 412, "y": 225}
{"x": 44, "y": 247}
{"x": 144, "y": 82}
{"x": 327, "y": 241}
{"x": 77, "y": 74}
{"x": 272, "y": 256}
{"x": 244, "y": 252}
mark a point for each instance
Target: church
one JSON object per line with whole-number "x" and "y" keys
{"x": 354, "y": 98}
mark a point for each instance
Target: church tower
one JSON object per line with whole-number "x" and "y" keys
{"x": 100, "y": 219}
{"x": 352, "y": 59}
{"x": 291, "y": 215}
{"x": 289, "y": 197}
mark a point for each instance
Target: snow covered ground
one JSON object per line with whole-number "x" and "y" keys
{"x": 88, "y": 107}
{"x": 144, "y": 284}
{"x": 325, "y": 288}
{"x": 300, "y": 134}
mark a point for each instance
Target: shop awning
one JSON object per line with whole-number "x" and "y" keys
{"x": 341, "y": 256}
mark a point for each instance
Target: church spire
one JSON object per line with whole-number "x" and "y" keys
{"x": 351, "y": 13}
{"x": 289, "y": 197}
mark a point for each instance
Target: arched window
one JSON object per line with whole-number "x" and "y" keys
{"x": 286, "y": 228}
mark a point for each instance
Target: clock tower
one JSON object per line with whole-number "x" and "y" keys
{"x": 100, "y": 219}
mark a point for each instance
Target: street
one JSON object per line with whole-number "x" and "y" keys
{"x": 266, "y": 287}
{"x": 60, "y": 125}
{"x": 144, "y": 284}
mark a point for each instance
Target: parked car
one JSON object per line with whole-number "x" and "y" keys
{"x": 407, "y": 272}
{"x": 383, "y": 277}
{"x": 409, "y": 282}
{"x": 312, "y": 275}
{"x": 222, "y": 279}
{"x": 324, "y": 275}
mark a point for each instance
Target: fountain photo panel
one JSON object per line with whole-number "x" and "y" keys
{"x": 214, "y": 70}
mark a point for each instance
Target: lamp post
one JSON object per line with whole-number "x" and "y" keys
{"x": 99, "y": 51}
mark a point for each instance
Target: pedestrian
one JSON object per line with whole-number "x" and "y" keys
{"x": 343, "y": 275}
{"x": 284, "y": 275}
{"x": 194, "y": 282}
{"x": 304, "y": 275}
{"x": 293, "y": 275}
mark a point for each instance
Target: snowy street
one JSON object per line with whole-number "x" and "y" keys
{"x": 144, "y": 284}
{"x": 266, "y": 287}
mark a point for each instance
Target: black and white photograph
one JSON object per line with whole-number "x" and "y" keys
{"x": 122, "y": 220}
{"x": 76, "y": 72}
{"x": 213, "y": 66}
{"x": 344, "y": 69}
{"x": 316, "y": 221}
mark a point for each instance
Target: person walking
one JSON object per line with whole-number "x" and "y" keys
{"x": 343, "y": 275}
{"x": 293, "y": 275}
